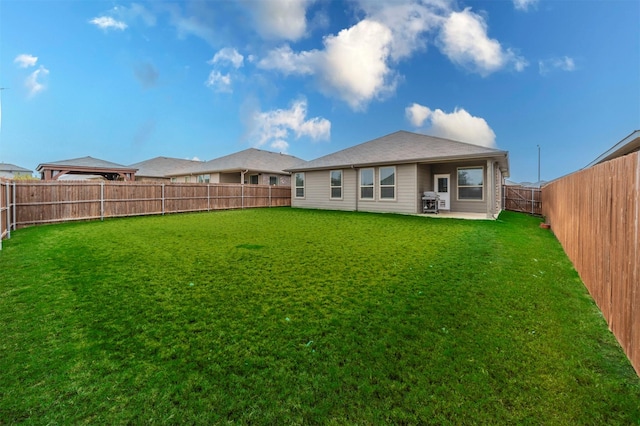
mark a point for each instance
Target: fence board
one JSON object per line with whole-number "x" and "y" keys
{"x": 521, "y": 199}
{"x": 595, "y": 214}
{"x": 38, "y": 202}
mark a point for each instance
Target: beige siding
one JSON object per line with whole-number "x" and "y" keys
{"x": 463, "y": 206}
{"x": 317, "y": 191}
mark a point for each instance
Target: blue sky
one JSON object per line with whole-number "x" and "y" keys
{"x": 129, "y": 81}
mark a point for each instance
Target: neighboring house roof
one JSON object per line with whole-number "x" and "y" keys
{"x": 85, "y": 163}
{"x": 404, "y": 147}
{"x": 626, "y": 146}
{"x": 85, "y": 166}
{"x": 12, "y": 168}
{"x": 162, "y": 166}
{"x": 252, "y": 159}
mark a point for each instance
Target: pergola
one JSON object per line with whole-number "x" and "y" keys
{"x": 87, "y": 166}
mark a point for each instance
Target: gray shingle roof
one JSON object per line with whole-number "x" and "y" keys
{"x": 88, "y": 162}
{"x": 163, "y": 166}
{"x": 7, "y": 167}
{"x": 402, "y": 147}
{"x": 252, "y": 159}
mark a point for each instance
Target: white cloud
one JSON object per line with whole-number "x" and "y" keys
{"x": 228, "y": 55}
{"x": 219, "y": 82}
{"x": 465, "y": 41}
{"x": 408, "y": 21}
{"x": 33, "y": 83}
{"x": 564, "y": 63}
{"x": 524, "y": 4}
{"x": 280, "y": 19}
{"x": 417, "y": 114}
{"x": 25, "y": 60}
{"x": 352, "y": 66}
{"x": 288, "y": 62}
{"x": 458, "y": 125}
{"x": 355, "y": 67}
{"x": 274, "y": 128}
{"x": 107, "y": 22}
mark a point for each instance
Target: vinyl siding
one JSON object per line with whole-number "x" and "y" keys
{"x": 317, "y": 192}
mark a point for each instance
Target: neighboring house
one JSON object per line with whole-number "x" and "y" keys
{"x": 159, "y": 168}
{"x": 626, "y": 146}
{"x": 251, "y": 166}
{"x": 391, "y": 173}
{"x": 11, "y": 171}
{"x": 85, "y": 168}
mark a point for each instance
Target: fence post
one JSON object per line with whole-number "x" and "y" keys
{"x": 269, "y": 195}
{"x": 14, "y": 209}
{"x": 242, "y": 196}
{"x": 208, "y": 197}
{"x": 532, "y": 201}
{"x": 101, "y": 200}
{"x": 8, "y": 211}
{"x": 163, "y": 199}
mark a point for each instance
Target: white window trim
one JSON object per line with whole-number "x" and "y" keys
{"x": 394, "y": 186}
{"x": 295, "y": 185}
{"x": 458, "y": 186}
{"x": 372, "y": 186}
{"x": 331, "y": 187}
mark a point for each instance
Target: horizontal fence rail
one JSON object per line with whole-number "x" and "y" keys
{"x": 522, "y": 199}
{"x": 26, "y": 203}
{"x": 595, "y": 214}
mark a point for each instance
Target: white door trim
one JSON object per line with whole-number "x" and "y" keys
{"x": 445, "y": 196}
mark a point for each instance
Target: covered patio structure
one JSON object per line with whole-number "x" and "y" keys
{"x": 86, "y": 166}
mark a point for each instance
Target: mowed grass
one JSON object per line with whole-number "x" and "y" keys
{"x": 284, "y": 316}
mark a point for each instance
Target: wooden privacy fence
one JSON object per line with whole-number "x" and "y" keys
{"x": 521, "y": 199}
{"x": 36, "y": 202}
{"x": 595, "y": 214}
{"x": 5, "y": 226}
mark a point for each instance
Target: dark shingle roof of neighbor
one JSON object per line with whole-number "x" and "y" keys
{"x": 162, "y": 166}
{"x": 86, "y": 162}
{"x": 253, "y": 159}
{"x": 626, "y": 146}
{"x": 8, "y": 167}
{"x": 404, "y": 147}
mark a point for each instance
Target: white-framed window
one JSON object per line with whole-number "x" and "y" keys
{"x": 273, "y": 180}
{"x": 470, "y": 183}
{"x": 204, "y": 178}
{"x": 366, "y": 184}
{"x": 335, "y": 177}
{"x": 387, "y": 179}
{"x": 174, "y": 179}
{"x": 253, "y": 179}
{"x": 299, "y": 185}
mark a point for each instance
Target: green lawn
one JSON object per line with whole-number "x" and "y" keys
{"x": 285, "y": 316}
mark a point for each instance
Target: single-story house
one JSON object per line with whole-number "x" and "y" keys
{"x": 11, "y": 171}
{"x": 85, "y": 167}
{"x": 159, "y": 168}
{"x": 251, "y": 166}
{"x": 391, "y": 173}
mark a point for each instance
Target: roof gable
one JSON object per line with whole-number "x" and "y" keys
{"x": 401, "y": 147}
{"x": 7, "y": 167}
{"x": 163, "y": 166}
{"x": 251, "y": 159}
{"x": 85, "y": 162}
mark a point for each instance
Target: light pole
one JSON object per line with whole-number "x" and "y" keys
{"x": 1, "y": 89}
{"x": 538, "y": 164}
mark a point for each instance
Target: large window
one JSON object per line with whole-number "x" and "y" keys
{"x": 387, "y": 183}
{"x": 299, "y": 185}
{"x": 273, "y": 180}
{"x": 366, "y": 184}
{"x": 470, "y": 183}
{"x": 253, "y": 179}
{"x": 336, "y": 184}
